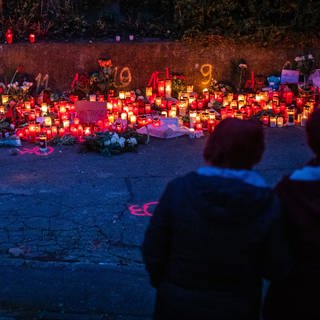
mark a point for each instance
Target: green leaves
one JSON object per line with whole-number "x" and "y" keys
{"x": 264, "y": 21}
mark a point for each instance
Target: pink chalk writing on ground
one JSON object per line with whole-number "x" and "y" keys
{"x": 142, "y": 211}
{"x": 36, "y": 151}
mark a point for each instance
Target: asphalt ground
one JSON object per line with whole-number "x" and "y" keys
{"x": 71, "y": 224}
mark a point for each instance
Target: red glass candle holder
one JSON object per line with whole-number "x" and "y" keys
{"x": 9, "y": 36}
{"x": 32, "y": 38}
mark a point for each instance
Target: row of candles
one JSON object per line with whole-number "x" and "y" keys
{"x": 60, "y": 118}
{"x": 9, "y": 37}
{"x": 32, "y": 37}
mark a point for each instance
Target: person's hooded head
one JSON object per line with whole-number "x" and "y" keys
{"x": 313, "y": 132}
{"x": 235, "y": 144}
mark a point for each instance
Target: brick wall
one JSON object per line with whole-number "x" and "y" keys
{"x": 62, "y": 60}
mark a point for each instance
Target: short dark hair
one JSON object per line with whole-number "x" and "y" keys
{"x": 235, "y": 143}
{"x": 313, "y": 131}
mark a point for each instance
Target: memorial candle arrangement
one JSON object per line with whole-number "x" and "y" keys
{"x": 198, "y": 111}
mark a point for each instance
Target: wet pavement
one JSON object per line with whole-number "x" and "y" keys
{"x": 71, "y": 224}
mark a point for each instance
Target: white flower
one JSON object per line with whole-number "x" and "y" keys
{"x": 122, "y": 141}
{"x": 115, "y": 135}
{"x": 114, "y": 138}
{"x": 26, "y": 84}
{"x": 243, "y": 65}
{"x": 310, "y": 56}
{"x": 133, "y": 141}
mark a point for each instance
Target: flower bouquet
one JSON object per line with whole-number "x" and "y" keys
{"x": 305, "y": 64}
{"x": 110, "y": 143}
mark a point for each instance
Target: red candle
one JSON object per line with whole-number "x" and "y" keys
{"x": 87, "y": 131}
{"x": 32, "y": 37}
{"x": 135, "y": 110}
{"x": 198, "y": 126}
{"x": 100, "y": 124}
{"x": 80, "y": 130}
{"x": 161, "y": 87}
{"x": 20, "y": 133}
{"x": 49, "y": 133}
{"x": 276, "y": 108}
{"x": 156, "y": 122}
{"x": 147, "y": 108}
{"x": 73, "y": 130}
{"x": 54, "y": 130}
{"x": 265, "y": 120}
{"x": 289, "y": 97}
{"x": 61, "y": 131}
{"x": 299, "y": 102}
{"x": 32, "y": 128}
{"x": 32, "y": 116}
{"x": 199, "y": 104}
{"x": 211, "y": 124}
{"x": 9, "y": 36}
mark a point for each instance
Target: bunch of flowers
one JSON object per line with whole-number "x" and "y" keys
{"x": 16, "y": 89}
{"x": 178, "y": 84}
{"x": 220, "y": 86}
{"x": 109, "y": 143}
{"x": 305, "y": 64}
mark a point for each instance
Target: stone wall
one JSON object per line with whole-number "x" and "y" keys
{"x": 62, "y": 60}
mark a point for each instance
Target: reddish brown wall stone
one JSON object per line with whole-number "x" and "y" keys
{"x": 62, "y": 60}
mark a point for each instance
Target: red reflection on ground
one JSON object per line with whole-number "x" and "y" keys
{"x": 142, "y": 211}
{"x": 36, "y": 151}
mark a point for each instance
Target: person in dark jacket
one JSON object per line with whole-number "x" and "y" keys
{"x": 216, "y": 232}
{"x": 297, "y": 296}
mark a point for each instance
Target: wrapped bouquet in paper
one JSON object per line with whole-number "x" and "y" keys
{"x": 168, "y": 128}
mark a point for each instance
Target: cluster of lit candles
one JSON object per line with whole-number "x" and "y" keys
{"x": 9, "y": 37}
{"x": 126, "y": 110}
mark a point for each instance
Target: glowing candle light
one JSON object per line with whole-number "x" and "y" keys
{"x": 32, "y": 38}
{"x": 5, "y": 98}
{"x": 92, "y": 97}
{"x": 47, "y": 121}
{"x": 61, "y": 131}
{"x": 161, "y": 87}
{"x": 168, "y": 87}
{"x": 9, "y": 36}
{"x": 122, "y": 95}
{"x": 54, "y": 130}
{"x": 133, "y": 119}
{"x": 148, "y": 91}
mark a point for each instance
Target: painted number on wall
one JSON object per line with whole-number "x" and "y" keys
{"x": 42, "y": 81}
{"x": 124, "y": 77}
{"x": 206, "y": 71}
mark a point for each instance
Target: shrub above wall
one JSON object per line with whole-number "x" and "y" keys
{"x": 266, "y": 22}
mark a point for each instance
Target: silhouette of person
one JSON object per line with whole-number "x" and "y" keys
{"x": 296, "y": 297}
{"x": 217, "y": 232}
